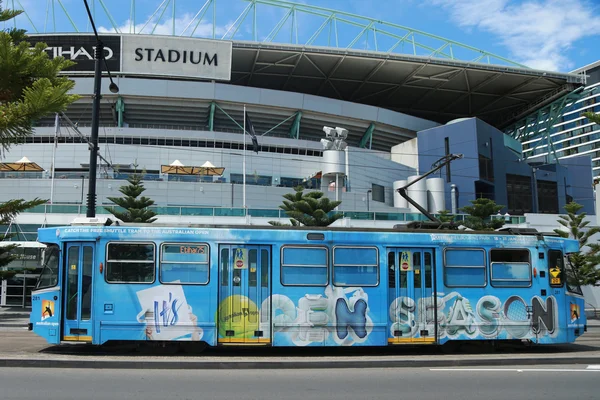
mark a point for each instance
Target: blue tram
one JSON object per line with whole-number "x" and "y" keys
{"x": 281, "y": 286}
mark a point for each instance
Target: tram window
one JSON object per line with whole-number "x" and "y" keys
{"x": 304, "y": 266}
{"x": 555, "y": 268}
{"x": 184, "y": 263}
{"x": 417, "y": 269}
{"x": 510, "y": 255}
{"x": 253, "y": 264}
{"x": 391, "y": 269}
{"x": 510, "y": 268}
{"x": 428, "y": 267}
{"x": 464, "y": 268}
{"x": 130, "y": 262}
{"x": 572, "y": 278}
{"x": 511, "y": 274}
{"x": 355, "y": 266}
{"x": 224, "y": 267}
{"x": 264, "y": 268}
{"x": 49, "y": 276}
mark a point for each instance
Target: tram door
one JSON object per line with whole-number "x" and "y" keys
{"x": 243, "y": 288}
{"x": 411, "y": 297}
{"x": 77, "y": 313}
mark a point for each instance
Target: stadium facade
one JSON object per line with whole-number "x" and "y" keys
{"x": 181, "y": 104}
{"x": 183, "y": 99}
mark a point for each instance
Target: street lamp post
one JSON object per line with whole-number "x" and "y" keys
{"x": 99, "y": 57}
{"x": 368, "y": 195}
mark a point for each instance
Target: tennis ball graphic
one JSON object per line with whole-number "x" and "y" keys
{"x": 239, "y": 314}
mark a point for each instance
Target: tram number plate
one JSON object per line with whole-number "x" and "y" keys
{"x": 555, "y": 281}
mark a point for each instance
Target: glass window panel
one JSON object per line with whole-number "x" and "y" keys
{"x": 417, "y": 269}
{"x": 572, "y": 279}
{"x": 304, "y": 266}
{"x": 49, "y": 276}
{"x": 225, "y": 267}
{"x": 184, "y": 252}
{"x": 184, "y": 273}
{"x": 464, "y": 267}
{"x": 130, "y": 262}
{"x": 465, "y": 277}
{"x": 355, "y": 255}
{"x": 511, "y": 274}
{"x": 86, "y": 282}
{"x": 252, "y": 267}
{"x": 264, "y": 268}
{"x": 464, "y": 258}
{"x": 184, "y": 263}
{"x": 428, "y": 270}
{"x": 392, "y": 270}
{"x": 555, "y": 260}
{"x": 313, "y": 276}
{"x": 305, "y": 255}
{"x": 72, "y": 284}
{"x": 352, "y": 276}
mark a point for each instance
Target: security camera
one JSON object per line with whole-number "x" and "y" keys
{"x": 329, "y": 132}
{"x": 342, "y": 133}
{"x": 326, "y": 144}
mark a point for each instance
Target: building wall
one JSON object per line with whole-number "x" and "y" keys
{"x": 474, "y": 138}
{"x": 366, "y": 167}
{"x": 407, "y": 153}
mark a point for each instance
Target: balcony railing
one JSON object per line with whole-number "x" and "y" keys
{"x": 242, "y": 212}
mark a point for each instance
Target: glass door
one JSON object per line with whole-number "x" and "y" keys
{"x": 77, "y": 322}
{"x": 244, "y": 290}
{"x": 411, "y": 295}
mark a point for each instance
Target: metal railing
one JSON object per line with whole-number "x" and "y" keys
{"x": 242, "y": 212}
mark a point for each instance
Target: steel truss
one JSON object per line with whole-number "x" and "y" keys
{"x": 271, "y": 21}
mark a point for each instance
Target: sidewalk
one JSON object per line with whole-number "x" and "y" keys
{"x": 14, "y": 317}
{"x": 21, "y": 348}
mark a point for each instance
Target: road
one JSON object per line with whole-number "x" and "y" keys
{"x": 544, "y": 383}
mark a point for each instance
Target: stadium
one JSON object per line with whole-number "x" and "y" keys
{"x": 400, "y": 99}
{"x": 382, "y": 82}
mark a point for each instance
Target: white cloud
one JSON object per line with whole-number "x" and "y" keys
{"x": 537, "y": 33}
{"x": 204, "y": 29}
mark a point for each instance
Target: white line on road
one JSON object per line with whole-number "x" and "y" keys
{"x": 597, "y": 369}
{"x": 593, "y": 367}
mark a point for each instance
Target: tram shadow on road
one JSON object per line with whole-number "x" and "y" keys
{"x": 189, "y": 349}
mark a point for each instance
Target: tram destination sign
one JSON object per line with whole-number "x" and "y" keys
{"x": 144, "y": 55}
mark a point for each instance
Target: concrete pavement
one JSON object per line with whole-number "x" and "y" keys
{"x": 21, "y": 348}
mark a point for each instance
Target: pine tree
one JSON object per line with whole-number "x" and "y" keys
{"x": 30, "y": 87}
{"x": 136, "y": 209}
{"x": 480, "y": 213}
{"x": 585, "y": 264}
{"x": 310, "y": 209}
{"x": 445, "y": 216}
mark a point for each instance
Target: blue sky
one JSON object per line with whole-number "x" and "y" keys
{"x": 556, "y": 35}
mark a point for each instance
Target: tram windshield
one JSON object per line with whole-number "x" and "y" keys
{"x": 571, "y": 276}
{"x": 49, "y": 276}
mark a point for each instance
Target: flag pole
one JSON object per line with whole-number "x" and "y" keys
{"x": 244, "y": 164}
{"x": 52, "y": 170}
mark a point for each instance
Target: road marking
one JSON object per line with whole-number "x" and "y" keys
{"x": 588, "y": 369}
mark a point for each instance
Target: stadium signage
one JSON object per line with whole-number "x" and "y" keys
{"x": 144, "y": 55}
{"x": 176, "y": 56}
{"x": 80, "y": 49}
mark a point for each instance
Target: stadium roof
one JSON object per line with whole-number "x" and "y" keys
{"x": 342, "y": 55}
{"x": 435, "y": 89}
